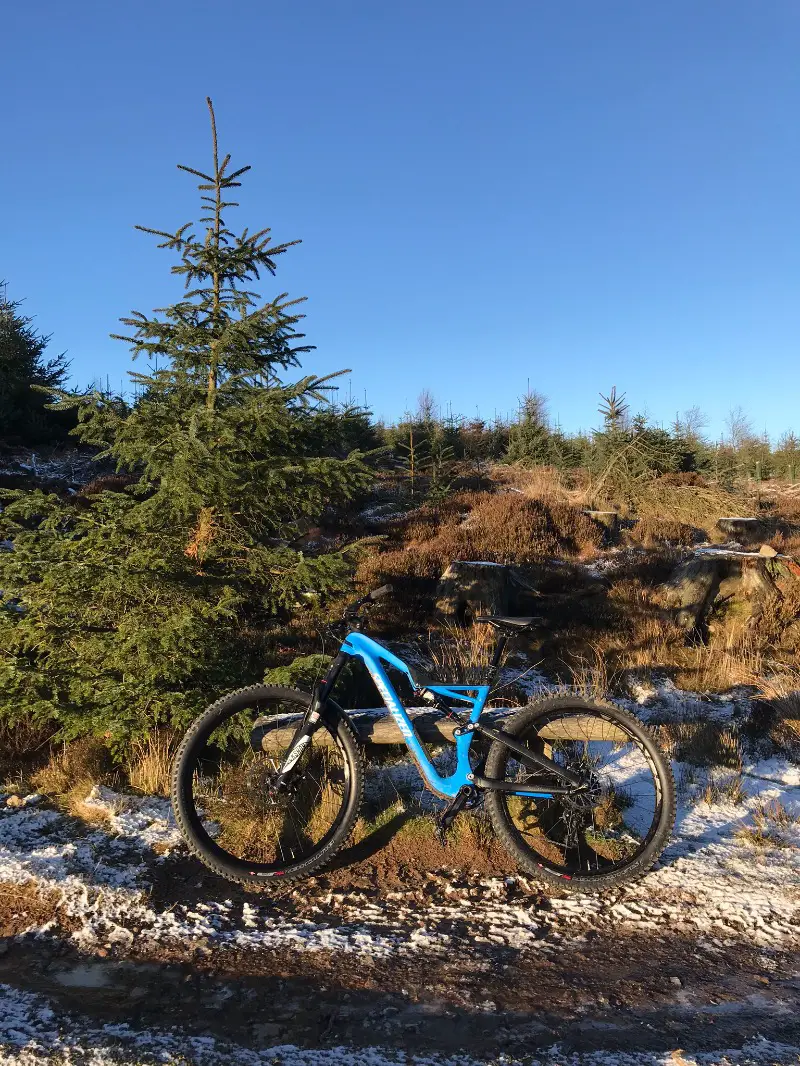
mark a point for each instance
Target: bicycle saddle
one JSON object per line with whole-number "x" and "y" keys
{"x": 510, "y": 622}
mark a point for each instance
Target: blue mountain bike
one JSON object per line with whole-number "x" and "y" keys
{"x": 269, "y": 781}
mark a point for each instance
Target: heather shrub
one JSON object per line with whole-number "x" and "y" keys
{"x": 499, "y": 527}
{"x": 651, "y": 532}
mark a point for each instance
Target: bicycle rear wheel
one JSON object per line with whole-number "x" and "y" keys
{"x": 225, "y": 801}
{"x": 608, "y": 835}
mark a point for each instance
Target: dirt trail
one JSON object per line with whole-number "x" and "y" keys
{"x": 612, "y": 996}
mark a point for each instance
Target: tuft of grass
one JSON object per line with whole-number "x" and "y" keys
{"x": 149, "y": 762}
{"x": 702, "y": 743}
{"x": 728, "y": 788}
{"x": 781, "y": 693}
{"x": 728, "y": 660}
{"x": 770, "y": 822}
{"x": 590, "y": 674}
{"x": 462, "y": 652}
{"x": 75, "y": 766}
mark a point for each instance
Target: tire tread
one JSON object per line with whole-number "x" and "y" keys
{"x": 355, "y": 754}
{"x": 601, "y": 882}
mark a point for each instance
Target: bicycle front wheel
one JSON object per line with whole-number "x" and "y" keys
{"x": 224, "y": 797}
{"x": 608, "y": 834}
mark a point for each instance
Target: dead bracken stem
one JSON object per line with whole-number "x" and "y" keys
{"x": 202, "y": 535}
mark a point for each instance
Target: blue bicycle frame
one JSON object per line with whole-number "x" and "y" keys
{"x": 373, "y": 654}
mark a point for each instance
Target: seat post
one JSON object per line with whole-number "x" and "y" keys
{"x": 499, "y": 648}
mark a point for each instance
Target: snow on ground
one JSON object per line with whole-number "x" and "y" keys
{"x": 32, "y": 1033}
{"x": 710, "y": 882}
{"x": 659, "y": 700}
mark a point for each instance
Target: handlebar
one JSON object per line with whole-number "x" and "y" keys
{"x": 376, "y": 594}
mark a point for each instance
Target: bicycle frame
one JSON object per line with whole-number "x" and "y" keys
{"x": 358, "y": 646}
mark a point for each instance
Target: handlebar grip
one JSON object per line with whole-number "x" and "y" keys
{"x": 378, "y": 594}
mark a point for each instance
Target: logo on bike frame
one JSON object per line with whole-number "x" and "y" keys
{"x": 394, "y": 708}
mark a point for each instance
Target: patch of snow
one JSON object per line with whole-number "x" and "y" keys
{"x": 382, "y": 512}
{"x": 708, "y": 881}
{"x": 613, "y": 559}
{"x": 659, "y": 700}
{"x": 146, "y": 819}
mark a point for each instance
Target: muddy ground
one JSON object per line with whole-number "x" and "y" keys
{"x": 428, "y": 956}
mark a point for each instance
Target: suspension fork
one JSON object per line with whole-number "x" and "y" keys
{"x": 311, "y": 720}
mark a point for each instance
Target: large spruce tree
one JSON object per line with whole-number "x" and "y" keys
{"x": 125, "y": 608}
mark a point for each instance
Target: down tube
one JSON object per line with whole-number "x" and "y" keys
{"x": 446, "y": 786}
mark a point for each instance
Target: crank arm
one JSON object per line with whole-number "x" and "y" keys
{"x": 531, "y": 759}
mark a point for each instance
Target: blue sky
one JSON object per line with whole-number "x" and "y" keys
{"x": 575, "y": 195}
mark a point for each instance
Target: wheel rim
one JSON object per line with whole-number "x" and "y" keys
{"x": 232, "y": 803}
{"x": 604, "y": 829}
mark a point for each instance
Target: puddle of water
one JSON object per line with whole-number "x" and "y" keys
{"x": 85, "y": 976}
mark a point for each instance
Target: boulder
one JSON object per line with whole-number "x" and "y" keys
{"x": 473, "y": 587}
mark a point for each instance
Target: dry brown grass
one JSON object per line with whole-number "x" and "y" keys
{"x": 462, "y": 651}
{"x": 149, "y": 762}
{"x": 728, "y": 788}
{"x": 771, "y": 821}
{"x": 543, "y": 483}
{"x": 698, "y": 506}
{"x": 684, "y": 498}
{"x": 592, "y": 673}
{"x": 26, "y": 906}
{"x": 780, "y": 693}
{"x": 74, "y": 768}
{"x": 701, "y": 743}
{"x": 22, "y": 743}
{"x": 72, "y": 772}
{"x": 722, "y": 664}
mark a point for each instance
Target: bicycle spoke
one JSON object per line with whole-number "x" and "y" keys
{"x": 236, "y": 802}
{"x": 600, "y": 829}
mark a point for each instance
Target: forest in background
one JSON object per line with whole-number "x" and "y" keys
{"x": 226, "y": 511}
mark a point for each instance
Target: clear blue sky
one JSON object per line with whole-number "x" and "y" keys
{"x": 578, "y": 194}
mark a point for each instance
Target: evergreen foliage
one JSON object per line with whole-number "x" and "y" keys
{"x": 529, "y": 442}
{"x": 125, "y": 609}
{"x": 23, "y": 366}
